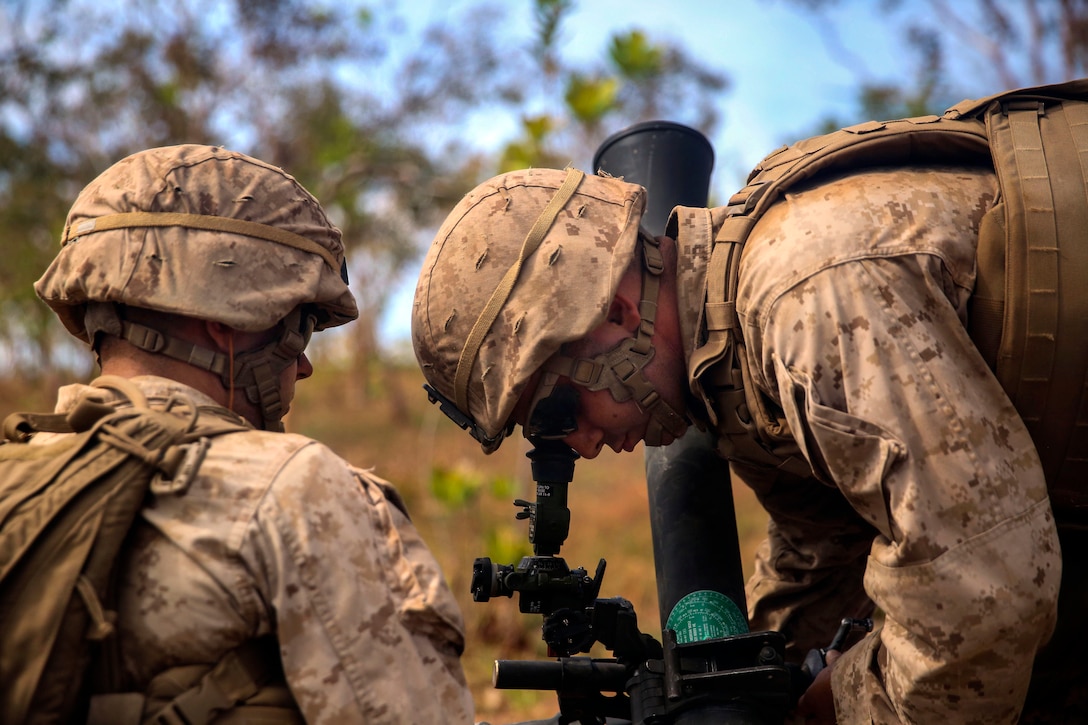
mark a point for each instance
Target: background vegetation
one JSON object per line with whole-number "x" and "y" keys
{"x": 320, "y": 89}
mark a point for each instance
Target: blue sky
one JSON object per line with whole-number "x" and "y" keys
{"x": 787, "y": 71}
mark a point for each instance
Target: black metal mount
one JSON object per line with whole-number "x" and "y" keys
{"x": 738, "y": 679}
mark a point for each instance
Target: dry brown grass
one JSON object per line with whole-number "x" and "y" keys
{"x": 387, "y": 424}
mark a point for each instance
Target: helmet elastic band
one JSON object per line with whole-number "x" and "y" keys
{"x": 145, "y": 219}
{"x": 506, "y": 285}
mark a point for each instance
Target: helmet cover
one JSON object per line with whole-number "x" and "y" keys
{"x": 562, "y": 290}
{"x": 203, "y": 232}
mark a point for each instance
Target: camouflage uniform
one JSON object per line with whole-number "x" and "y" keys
{"x": 279, "y": 534}
{"x": 927, "y": 497}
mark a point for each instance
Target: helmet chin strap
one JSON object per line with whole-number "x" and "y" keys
{"x": 620, "y": 369}
{"x": 257, "y": 371}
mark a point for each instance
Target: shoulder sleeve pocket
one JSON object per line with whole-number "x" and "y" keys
{"x": 845, "y": 451}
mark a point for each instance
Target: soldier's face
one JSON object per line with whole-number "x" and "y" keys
{"x": 301, "y": 369}
{"x": 601, "y": 420}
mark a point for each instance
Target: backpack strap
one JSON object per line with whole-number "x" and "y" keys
{"x": 66, "y": 508}
{"x": 238, "y": 676}
{"x": 976, "y": 108}
{"x": 247, "y": 677}
{"x": 19, "y": 427}
{"x": 1013, "y": 154}
{"x": 1039, "y": 139}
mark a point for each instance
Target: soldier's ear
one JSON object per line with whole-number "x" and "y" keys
{"x": 222, "y": 335}
{"x": 623, "y": 311}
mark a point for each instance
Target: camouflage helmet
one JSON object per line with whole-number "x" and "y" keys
{"x": 202, "y": 232}
{"x": 526, "y": 262}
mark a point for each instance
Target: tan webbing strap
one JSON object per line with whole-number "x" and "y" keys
{"x": 506, "y": 285}
{"x": 986, "y": 307}
{"x": 1041, "y": 155}
{"x": 21, "y": 426}
{"x": 751, "y": 432}
{"x": 1040, "y": 152}
{"x": 239, "y": 675}
{"x": 154, "y": 341}
{"x": 723, "y": 273}
{"x": 975, "y": 106}
{"x": 1030, "y": 330}
{"x": 246, "y": 686}
{"x": 653, "y": 265}
{"x": 862, "y": 144}
{"x": 142, "y": 219}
